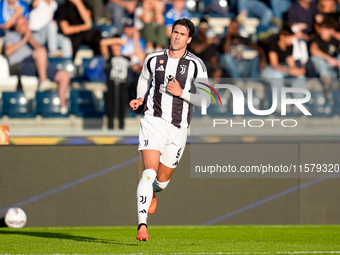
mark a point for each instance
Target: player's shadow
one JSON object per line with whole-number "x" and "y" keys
{"x": 64, "y": 236}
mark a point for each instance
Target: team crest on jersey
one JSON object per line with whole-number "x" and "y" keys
{"x": 161, "y": 61}
{"x": 183, "y": 68}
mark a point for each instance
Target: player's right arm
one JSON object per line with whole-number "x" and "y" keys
{"x": 142, "y": 86}
{"x": 135, "y": 103}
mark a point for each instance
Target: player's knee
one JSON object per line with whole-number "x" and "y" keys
{"x": 160, "y": 185}
{"x": 149, "y": 175}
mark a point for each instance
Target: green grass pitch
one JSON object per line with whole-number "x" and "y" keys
{"x": 259, "y": 239}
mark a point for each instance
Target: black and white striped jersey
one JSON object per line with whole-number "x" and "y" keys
{"x": 157, "y": 66}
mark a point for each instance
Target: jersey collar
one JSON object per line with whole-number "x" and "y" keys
{"x": 184, "y": 55}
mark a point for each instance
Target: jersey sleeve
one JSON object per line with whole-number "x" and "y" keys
{"x": 143, "y": 81}
{"x": 201, "y": 84}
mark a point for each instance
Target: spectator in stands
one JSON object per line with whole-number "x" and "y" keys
{"x": 75, "y": 21}
{"x": 281, "y": 62}
{"x": 338, "y": 5}
{"x": 232, "y": 58}
{"x": 133, "y": 46}
{"x": 120, "y": 71}
{"x": 204, "y": 46}
{"x": 10, "y": 11}
{"x": 27, "y": 57}
{"x": 119, "y": 9}
{"x": 329, "y": 11}
{"x": 176, "y": 12}
{"x": 214, "y": 7}
{"x": 254, "y": 8}
{"x": 100, "y": 16}
{"x": 325, "y": 53}
{"x": 279, "y": 8}
{"x": 41, "y": 22}
{"x": 302, "y": 14}
{"x": 149, "y": 20}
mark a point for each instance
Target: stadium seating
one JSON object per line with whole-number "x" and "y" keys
{"x": 93, "y": 70}
{"x": 291, "y": 110}
{"x": 318, "y": 105}
{"x": 63, "y": 64}
{"x": 0, "y": 107}
{"x": 336, "y": 102}
{"x": 16, "y": 105}
{"x": 129, "y": 113}
{"x": 48, "y": 104}
{"x": 255, "y": 101}
{"x": 86, "y": 100}
{"x": 85, "y": 104}
{"x": 197, "y": 112}
{"x": 107, "y": 30}
{"x": 224, "y": 110}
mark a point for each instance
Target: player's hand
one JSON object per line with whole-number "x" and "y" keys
{"x": 174, "y": 88}
{"x": 135, "y": 103}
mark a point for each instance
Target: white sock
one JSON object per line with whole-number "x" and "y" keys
{"x": 144, "y": 194}
{"x": 159, "y": 186}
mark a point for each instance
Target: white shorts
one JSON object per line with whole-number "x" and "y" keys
{"x": 158, "y": 134}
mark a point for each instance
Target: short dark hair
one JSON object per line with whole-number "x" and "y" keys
{"x": 187, "y": 23}
{"x": 286, "y": 31}
{"x": 328, "y": 23}
{"x": 234, "y": 20}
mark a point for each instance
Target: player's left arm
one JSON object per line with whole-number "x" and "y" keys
{"x": 199, "y": 97}
{"x": 194, "y": 98}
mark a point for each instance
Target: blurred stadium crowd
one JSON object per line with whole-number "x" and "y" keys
{"x": 92, "y": 51}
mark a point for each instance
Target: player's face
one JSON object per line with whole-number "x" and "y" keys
{"x": 179, "y": 38}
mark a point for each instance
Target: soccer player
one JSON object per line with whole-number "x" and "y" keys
{"x": 166, "y": 86}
